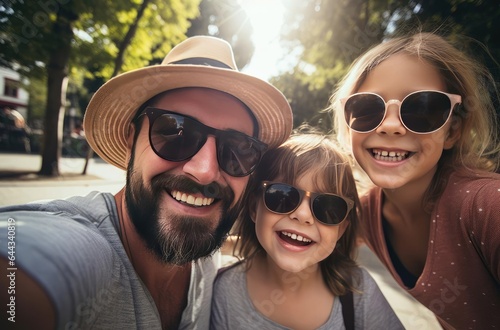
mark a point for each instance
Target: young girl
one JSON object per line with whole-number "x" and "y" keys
{"x": 420, "y": 124}
{"x": 297, "y": 237}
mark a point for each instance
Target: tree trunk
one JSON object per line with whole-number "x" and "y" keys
{"x": 119, "y": 62}
{"x": 128, "y": 38}
{"x": 57, "y": 72}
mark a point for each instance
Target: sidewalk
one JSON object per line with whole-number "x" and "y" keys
{"x": 104, "y": 177}
{"x": 15, "y": 189}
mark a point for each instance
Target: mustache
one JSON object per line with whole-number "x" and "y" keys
{"x": 170, "y": 182}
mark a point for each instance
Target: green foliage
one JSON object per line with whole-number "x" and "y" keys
{"x": 329, "y": 35}
{"x": 226, "y": 19}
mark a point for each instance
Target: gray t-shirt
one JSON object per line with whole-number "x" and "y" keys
{"x": 232, "y": 308}
{"x": 72, "y": 249}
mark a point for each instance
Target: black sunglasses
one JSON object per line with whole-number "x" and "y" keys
{"x": 282, "y": 198}
{"x": 175, "y": 137}
{"x": 421, "y": 112}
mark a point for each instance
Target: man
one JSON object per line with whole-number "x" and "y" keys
{"x": 189, "y": 132}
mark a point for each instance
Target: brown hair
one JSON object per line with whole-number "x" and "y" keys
{"x": 301, "y": 154}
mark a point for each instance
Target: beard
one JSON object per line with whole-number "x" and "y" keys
{"x": 177, "y": 239}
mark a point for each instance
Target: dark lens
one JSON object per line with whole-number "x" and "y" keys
{"x": 364, "y": 112}
{"x": 238, "y": 154}
{"x": 175, "y": 138}
{"x": 329, "y": 209}
{"x": 281, "y": 198}
{"x": 424, "y": 112}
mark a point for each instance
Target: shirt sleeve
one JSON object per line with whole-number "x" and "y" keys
{"x": 75, "y": 276}
{"x": 484, "y": 223}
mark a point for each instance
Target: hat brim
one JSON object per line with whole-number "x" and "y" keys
{"x": 113, "y": 106}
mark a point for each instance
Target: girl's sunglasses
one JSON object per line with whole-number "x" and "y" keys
{"x": 282, "y": 198}
{"x": 175, "y": 137}
{"x": 420, "y": 112}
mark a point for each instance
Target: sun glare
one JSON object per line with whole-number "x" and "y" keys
{"x": 266, "y": 17}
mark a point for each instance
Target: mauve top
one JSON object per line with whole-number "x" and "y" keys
{"x": 460, "y": 281}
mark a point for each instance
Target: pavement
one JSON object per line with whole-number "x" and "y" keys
{"x": 20, "y": 184}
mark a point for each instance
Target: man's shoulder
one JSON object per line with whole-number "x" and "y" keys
{"x": 93, "y": 208}
{"x": 64, "y": 227}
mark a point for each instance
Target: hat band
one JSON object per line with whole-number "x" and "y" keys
{"x": 203, "y": 61}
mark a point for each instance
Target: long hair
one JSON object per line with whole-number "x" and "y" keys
{"x": 331, "y": 169}
{"x": 478, "y": 147}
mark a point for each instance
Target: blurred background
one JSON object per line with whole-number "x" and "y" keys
{"x": 55, "y": 54}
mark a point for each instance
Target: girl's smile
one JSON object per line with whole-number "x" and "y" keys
{"x": 296, "y": 241}
{"x": 391, "y": 155}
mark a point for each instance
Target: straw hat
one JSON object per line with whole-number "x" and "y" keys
{"x": 200, "y": 61}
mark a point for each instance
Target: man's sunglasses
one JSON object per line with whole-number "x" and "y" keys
{"x": 282, "y": 198}
{"x": 175, "y": 137}
{"x": 420, "y": 112}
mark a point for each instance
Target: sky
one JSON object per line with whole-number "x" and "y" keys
{"x": 266, "y": 17}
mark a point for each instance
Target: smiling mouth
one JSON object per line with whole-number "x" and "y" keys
{"x": 294, "y": 239}
{"x": 390, "y": 156}
{"x": 190, "y": 199}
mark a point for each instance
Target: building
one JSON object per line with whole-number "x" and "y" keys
{"x": 12, "y": 95}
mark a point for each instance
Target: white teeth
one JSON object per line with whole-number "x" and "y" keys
{"x": 390, "y": 156}
{"x": 190, "y": 199}
{"x": 296, "y": 237}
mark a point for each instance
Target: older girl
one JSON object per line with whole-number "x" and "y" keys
{"x": 421, "y": 125}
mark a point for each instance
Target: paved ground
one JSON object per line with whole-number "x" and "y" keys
{"x": 103, "y": 177}
{"x": 15, "y": 189}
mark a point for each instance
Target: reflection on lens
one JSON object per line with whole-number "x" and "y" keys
{"x": 364, "y": 112}
{"x": 424, "y": 112}
{"x": 329, "y": 209}
{"x": 281, "y": 198}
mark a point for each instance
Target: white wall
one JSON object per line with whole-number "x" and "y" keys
{"x": 22, "y": 95}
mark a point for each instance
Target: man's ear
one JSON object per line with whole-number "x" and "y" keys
{"x": 130, "y": 141}
{"x": 130, "y": 136}
{"x": 454, "y": 133}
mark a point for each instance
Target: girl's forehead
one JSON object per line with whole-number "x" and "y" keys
{"x": 314, "y": 181}
{"x": 400, "y": 74}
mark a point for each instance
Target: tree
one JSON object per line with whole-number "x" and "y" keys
{"x": 49, "y": 37}
{"x": 329, "y": 35}
{"x": 226, "y": 19}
